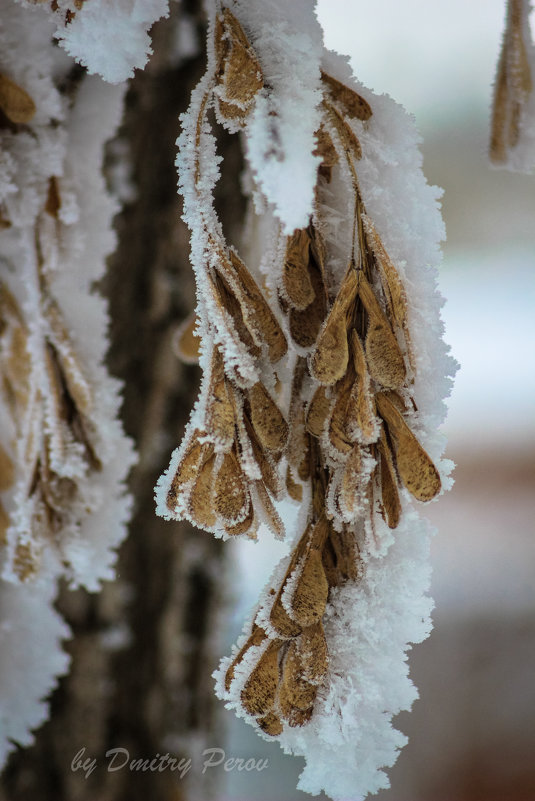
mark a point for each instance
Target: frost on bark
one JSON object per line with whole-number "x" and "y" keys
{"x": 142, "y": 650}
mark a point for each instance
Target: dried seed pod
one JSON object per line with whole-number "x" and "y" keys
{"x": 232, "y": 499}
{"x": 384, "y": 358}
{"x": 351, "y": 487}
{"x": 266, "y": 417}
{"x": 244, "y": 527}
{"x": 340, "y": 557}
{"x": 258, "y": 694}
{"x": 227, "y": 302}
{"x": 318, "y": 411}
{"x": 346, "y": 133}
{"x": 257, "y": 637}
{"x": 15, "y": 102}
{"x": 53, "y": 199}
{"x": 194, "y": 457}
{"x": 305, "y": 324}
{"x": 361, "y": 408}
{"x": 77, "y": 384}
{"x": 329, "y": 361}
{"x": 274, "y": 520}
{"x": 295, "y": 692}
{"x": 265, "y": 462}
{"x": 415, "y": 468}
{"x": 7, "y": 470}
{"x": 220, "y": 409}
{"x": 354, "y": 104}
{"x": 4, "y": 524}
{"x": 389, "y": 488}
{"x": 310, "y": 595}
{"x": 313, "y": 654}
{"x": 239, "y": 73}
{"x": 271, "y": 724}
{"x": 281, "y": 621}
{"x": 187, "y": 343}
{"x": 327, "y": 151}
{"x": 294, "y": 489}
{"x": 201, "y": 499}
{"x": 295, "y": 276}
{"x": 256, "y": 311}
{"x": 338, "y": 434}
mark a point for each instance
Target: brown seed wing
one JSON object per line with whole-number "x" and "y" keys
{"x": 187, "y": 342}
{"x": 258, "y": 694}
{"x": 232, "y": 500}
{"x": 201, "y": 500}
{"x": 354, "y": 104}
{"x": 295, "y": 275}
{"x": 15, "y": 102}
{"x": 310, "y": 595}
{"x": 389, "y": 488}
{"x": 415, "y": 468}
{"x": 267, "y": 419}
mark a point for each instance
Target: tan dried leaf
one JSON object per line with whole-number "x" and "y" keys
{"x": 15, "y": 102}
{"x": 415, "y": 468}
{"x": 267, "y": 419}
{"x": 281, "y": 621}
{"x": 354, "y": 104}
{"x": 258, "y": 694}
{"x": 295, "y": 692}
{"x": 295, "y": 275}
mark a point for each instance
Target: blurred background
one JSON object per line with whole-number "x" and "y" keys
{"x": 472, "y": 733}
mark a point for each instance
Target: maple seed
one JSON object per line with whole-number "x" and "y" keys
{"x": 266, "y": 417}
{"x": 310, "y": 595}
{"x": 240, "y": 75}
{"x": 257, "y": 636}
{"x": 15, "y": 102}
{"x": 201, "y": 497}
{"x": 231, "y": 494}
{"x": 258, "y": 695}
{"x": 271, "y": 724}
{"x": 385, "y": 360}
{"x": 389, "y": 489}
{"x": 354, "y": 104}
{"x": 415, "y": 468}
{"x": 296, "y": 277}
{"x": 186, "y": 342}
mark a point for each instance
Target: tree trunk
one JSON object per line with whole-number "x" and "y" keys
{"x": 143, "y": 650}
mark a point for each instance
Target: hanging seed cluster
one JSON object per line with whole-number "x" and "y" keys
{"x": 514, "y": 83}
{"x": 345, "y": 444}
{"x": 48, "y": 395}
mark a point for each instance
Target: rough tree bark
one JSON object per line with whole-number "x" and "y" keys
{"x": 153, "y": 695}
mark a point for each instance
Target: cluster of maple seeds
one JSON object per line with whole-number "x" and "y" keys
{"x": 347, "y": 437}
{"x": 52, "y": 420}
